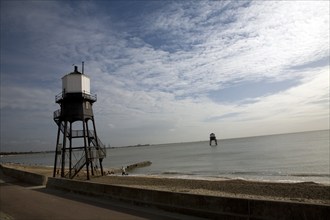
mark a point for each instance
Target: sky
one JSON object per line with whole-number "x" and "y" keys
{"x": 166, "y": 71}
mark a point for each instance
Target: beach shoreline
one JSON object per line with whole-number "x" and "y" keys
{"x": 304, "y": 192}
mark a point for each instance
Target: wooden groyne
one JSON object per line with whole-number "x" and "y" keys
{"x": 138, "y": 165}
{"x": 129, "y": 167}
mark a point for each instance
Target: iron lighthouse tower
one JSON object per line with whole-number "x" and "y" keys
{"x": 77, "y": 144}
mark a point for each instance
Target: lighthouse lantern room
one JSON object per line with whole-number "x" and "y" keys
{"x": 76, "y": 82}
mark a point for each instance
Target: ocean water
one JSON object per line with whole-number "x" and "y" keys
{"x": 295, "y": 157}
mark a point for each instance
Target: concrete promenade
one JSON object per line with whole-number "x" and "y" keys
{"x": 21, "y": 201}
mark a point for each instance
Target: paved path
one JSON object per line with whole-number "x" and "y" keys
{"x": 19, "y": 201}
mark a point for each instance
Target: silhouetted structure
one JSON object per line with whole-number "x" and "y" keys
{"x": 213, "y": 138}
{"x": 76, "y": 111}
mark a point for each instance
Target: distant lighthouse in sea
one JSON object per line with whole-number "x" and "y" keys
{"x": 77, "y": 144}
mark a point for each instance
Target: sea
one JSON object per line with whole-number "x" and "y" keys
{"x": 294, "y": 157}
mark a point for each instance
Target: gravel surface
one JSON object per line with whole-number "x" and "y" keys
{"x": 302, "y": 192}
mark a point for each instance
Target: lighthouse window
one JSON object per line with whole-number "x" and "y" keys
{"x": 87, "y": 105}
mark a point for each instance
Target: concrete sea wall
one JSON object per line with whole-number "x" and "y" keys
{"x": 24, "y": 176}
{"x": 191, "y": 204}
{"x": 198, "y": 205}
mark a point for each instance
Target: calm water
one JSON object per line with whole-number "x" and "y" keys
{"x": 286, "y": 157}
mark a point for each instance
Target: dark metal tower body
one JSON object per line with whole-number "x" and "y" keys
{"x": 77, "y": 148}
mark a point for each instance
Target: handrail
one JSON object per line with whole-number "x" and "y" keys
{"x": 77, "y": 167}
{"x": 62, "y": 127}
{"x": 58, "y": 96}
{"x": 90, "y": 96}
{"x": 57, "y": 113}
{"x": 101, "y": 147}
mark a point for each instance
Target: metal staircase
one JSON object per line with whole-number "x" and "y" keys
{"x": 76, "y": 168}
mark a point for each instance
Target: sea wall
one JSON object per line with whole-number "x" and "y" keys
{"x": 198, "y": 205}
{"x": 24, "y": 176}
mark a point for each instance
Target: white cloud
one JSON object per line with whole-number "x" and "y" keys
{"x": 250, "y": 51}
{"x": 153, "y": 75}
{"x": 29, "y": 99}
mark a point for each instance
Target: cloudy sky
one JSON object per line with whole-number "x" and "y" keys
{"x": 166, "y": 71}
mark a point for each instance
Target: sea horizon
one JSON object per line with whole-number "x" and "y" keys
{"x": 150, "y": 144}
